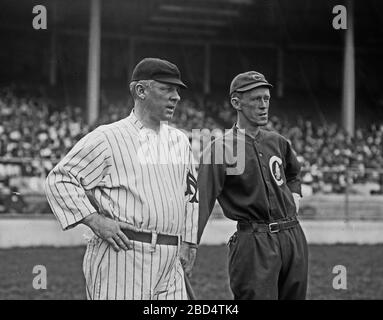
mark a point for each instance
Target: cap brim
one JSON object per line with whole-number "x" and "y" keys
{"x": 254, "y": 85}
{"x": 175, "y": 81}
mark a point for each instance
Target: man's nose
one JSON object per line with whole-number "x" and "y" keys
{"x": 175, "y": 97}
{"x": 263, "y": 104}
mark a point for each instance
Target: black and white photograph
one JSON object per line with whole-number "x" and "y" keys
{"x": 191, "y": 150}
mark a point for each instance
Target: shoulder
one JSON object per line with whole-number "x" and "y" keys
{"x": 228, "y": 135}
{"x": 93, "y": 137}
{"x": 111, "y": 127}
{"x": 275, "y": 137}
{"x": 101, "y": 135}
{"x": 271, "y": 134}
{"x": 115, "y": 130}
{"x": 219, "y": 140}
{"x": 89, "y": 145}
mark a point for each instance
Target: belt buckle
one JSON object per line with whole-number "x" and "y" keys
{"x": 153, "y": 242}
{"x": 271, "y": 227}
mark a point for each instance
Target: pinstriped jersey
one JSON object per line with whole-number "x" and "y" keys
{"x": 129, "y": 173}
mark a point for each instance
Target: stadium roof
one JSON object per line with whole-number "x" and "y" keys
{"x": 298, "y": 23}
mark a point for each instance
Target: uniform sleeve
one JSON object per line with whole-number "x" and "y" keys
{"x": 191, "y": 198}
{"x": 292, "y": 170}
{"x": 211, "y": 178}
{"x": 82, "y": 169}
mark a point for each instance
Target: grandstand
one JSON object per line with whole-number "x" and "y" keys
{"x": 44, "y": 98}
{"x": 44, "y": 108}
{"x": 35, "y": 134}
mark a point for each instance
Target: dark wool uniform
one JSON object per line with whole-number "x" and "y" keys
{"x": 268, "y": 256}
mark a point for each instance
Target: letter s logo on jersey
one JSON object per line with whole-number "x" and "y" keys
{"x": 275, "y": 164}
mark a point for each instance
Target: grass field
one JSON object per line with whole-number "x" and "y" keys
{"x": 65, "y": 280}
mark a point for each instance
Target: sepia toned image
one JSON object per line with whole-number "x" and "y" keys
{"x": 215, "y": 150}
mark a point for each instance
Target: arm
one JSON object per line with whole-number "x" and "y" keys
{"x": 82, "y": 169}
{"x": 189, "y": 246}
{"x": 211, "y": 178}
{"x": 191, "y": 201}
{"x": 292, "y": 172}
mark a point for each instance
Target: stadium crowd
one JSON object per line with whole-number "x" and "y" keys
{"x": 34, "y": 130}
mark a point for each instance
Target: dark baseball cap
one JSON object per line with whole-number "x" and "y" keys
{"x": 159, "y": 70}
{"x": 247, "y": 81}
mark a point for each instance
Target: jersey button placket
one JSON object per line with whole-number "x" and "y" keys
{"x": 264, "y": 168}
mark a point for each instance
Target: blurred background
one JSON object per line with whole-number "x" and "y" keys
{"x": 58, "y": 83}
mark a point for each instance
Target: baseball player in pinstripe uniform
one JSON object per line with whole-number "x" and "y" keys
{"x": 268, "y": 252}
{"x": 133, "y": 183}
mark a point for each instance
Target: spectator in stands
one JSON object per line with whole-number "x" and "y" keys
{"x": 33, "y": 127}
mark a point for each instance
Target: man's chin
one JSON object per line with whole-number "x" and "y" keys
{"x": 167, "y": 117}
{"x": 260, "y": 123}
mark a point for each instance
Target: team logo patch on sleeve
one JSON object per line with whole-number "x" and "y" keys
{"x": 275, "y": 164}
{"x": 191, "y": 187}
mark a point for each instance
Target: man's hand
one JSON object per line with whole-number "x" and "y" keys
{"x": 297, "y": 199}
{"x": 188, "y": 252}
{"x": 110, "y": 230}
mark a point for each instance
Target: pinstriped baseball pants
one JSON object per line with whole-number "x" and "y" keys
{"x": 133, "y": 274}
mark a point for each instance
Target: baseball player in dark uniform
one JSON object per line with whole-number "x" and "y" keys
{"x": 268, "y": 256}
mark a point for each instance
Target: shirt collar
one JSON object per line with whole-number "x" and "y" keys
{"x": 134, "y": 121}
{"x": 141, "y": 128}
{"x": 244, "y": 132}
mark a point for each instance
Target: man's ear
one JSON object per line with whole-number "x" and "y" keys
{"x": 140, "y": 91}
{"x": 236, "y": 103}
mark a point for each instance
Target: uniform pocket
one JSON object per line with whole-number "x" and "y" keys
{"x": 232, "y": 240}
{"x": 233, "y": 251}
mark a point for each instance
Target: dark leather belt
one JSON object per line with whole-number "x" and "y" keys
{"x": 152, "y": 237}
{"x": 273, "y": 227}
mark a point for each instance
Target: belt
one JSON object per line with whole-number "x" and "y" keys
{"x": 273, "y": 227}
{"x": 152, "y": 237}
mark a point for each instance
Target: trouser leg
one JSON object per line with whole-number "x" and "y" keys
{"x": 174, "y": 288}
{"x": 293, "y": 277}
{"x": 254, "y": 265}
